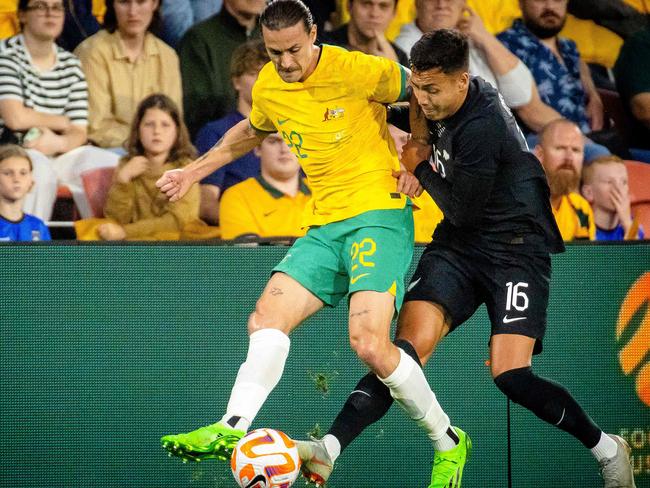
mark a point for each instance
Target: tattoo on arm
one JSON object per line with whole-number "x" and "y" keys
{"x": 217, "y": 144}
{"x": 276, "y": 291}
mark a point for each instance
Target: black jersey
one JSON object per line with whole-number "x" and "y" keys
{"x": 491, "y": 189}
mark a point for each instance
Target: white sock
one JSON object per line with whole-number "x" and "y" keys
{"x": 333, "y": 446}
{"x": 267, "y": 352}
{"x": 605, "y": 449}
{"x": 409, "y": 387}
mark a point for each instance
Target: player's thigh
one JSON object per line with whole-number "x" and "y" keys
{"x": 444, "y": 280}
{"x": 377, "y": 251}
{"x": 517, "y": 291}
{"x": 314, "y": 262}
{"x": 283, "y": 305}
{"x": 423, "y": 324}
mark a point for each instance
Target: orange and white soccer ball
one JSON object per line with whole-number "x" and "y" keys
{"x": 265, "y": 458}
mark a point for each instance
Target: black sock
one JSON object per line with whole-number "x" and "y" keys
{"x": 550, "y": 402}
{"x": 369, "y": 402}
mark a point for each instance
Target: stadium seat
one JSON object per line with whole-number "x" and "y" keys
{"x": 615, "y": 113}
{"x": 639, "y": 182}
{"x": 96, "y": 183}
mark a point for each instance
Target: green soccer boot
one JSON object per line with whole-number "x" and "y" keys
{"x": 448, "y": 465}
{"x": 212, "y": 441}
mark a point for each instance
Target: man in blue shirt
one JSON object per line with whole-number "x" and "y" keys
{"x": 563, "y": 78}
{"x": 247, "y": 60}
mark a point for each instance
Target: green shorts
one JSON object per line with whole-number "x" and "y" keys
{"x": 371, "y": 251}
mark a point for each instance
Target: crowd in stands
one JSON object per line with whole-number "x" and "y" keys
{"x": 132, "y": 87}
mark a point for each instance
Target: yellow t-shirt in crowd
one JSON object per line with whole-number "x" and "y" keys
{"x": 254, "y": 207}
{"x": 575, "y": 218}
{"x": 335, "y": 123}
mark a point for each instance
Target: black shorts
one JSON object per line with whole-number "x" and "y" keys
{"x": 513, "y": 285}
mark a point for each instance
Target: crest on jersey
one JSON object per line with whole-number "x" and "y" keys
{"x": 333, "y": 114}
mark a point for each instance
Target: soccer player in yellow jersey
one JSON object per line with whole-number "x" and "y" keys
{"x": 328, "y": 104}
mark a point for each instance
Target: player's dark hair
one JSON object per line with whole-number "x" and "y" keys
{"x": 445, "y": 49}
{"x": 280, "y": 14}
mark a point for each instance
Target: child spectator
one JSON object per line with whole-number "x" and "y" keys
{"x": 44, "y": 107}
{"x": 124, "y": 63}
{"x": 15, "y": 182}
{"x": 247, "y": 61}
{"x": 158, "y": 142}
{"x": 270, "y": 205}
{"x": 604, "y": 185}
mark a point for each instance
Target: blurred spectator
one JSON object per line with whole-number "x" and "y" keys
{"x": 605, "y": 186}
{"x": 179, "y": 15}
{"x": 124, "y": 63}
{"x": 615, "y": 15}
{"x": 560, "y": 150}
{"x": 44, "y": 106}
{"x": 404, "y": 12}
{"x": 270, "y": 205}
{"x": 563, "y": 79}
{"x": 323, "y": 12}
{"x": 488, "y": 58}
{"x": 205, "y": 53}
{"x": 158, "y": 142}
{"x": 369, "y": 19}
{"x": 247, "y": 61}
{"x": 80, "y": 23}
{"x": 632, "y": 72}
{"x": 15, "y": 182}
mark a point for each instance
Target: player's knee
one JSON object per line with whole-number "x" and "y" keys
{"x": 369, "y": 349}
{"x": 515, "y": 382}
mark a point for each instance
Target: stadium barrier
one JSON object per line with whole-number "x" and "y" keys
{"x": 107, "y": 347}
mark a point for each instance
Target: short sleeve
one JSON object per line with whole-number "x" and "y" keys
{"x": 10, "y": 86}
{"x": 384, "y": 81}
{"x": 258, "y": 118}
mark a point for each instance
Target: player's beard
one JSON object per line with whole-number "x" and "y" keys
{"x": 563, "y": 181}
{"x": 542, "y": 31}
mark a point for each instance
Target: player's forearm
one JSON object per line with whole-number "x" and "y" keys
{"x": 239, "y": 140}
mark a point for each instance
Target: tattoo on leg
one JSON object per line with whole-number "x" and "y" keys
{"x": 357, "y": 314}
{"x": 276, "y": 291}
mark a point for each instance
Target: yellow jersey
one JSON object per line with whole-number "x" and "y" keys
{"x": 335, "y": 123}
{"x": 426, "y": 217}
{"x": 254, "y": 207}
{"x": 575, "y": 218}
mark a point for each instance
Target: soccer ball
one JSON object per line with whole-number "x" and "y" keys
{"x": 265, "y": 458}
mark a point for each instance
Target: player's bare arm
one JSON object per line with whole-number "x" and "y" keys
{"x": 239, "y": 140}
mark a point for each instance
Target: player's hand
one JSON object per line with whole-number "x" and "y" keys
{"x": 621, "y": 202}
{"x": 111, "y": 232}
{"x": 48, "y": 142}
{"x": 133, "y": 168}
{"x": 413, "y": 153}
{"x": 174, "y": 183}
{"x": 407, "y": 183}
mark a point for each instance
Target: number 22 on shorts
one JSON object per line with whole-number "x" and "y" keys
{"x": 359, "y": 252}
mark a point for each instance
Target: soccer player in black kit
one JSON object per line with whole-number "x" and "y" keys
{"x": 492, "y": 247}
